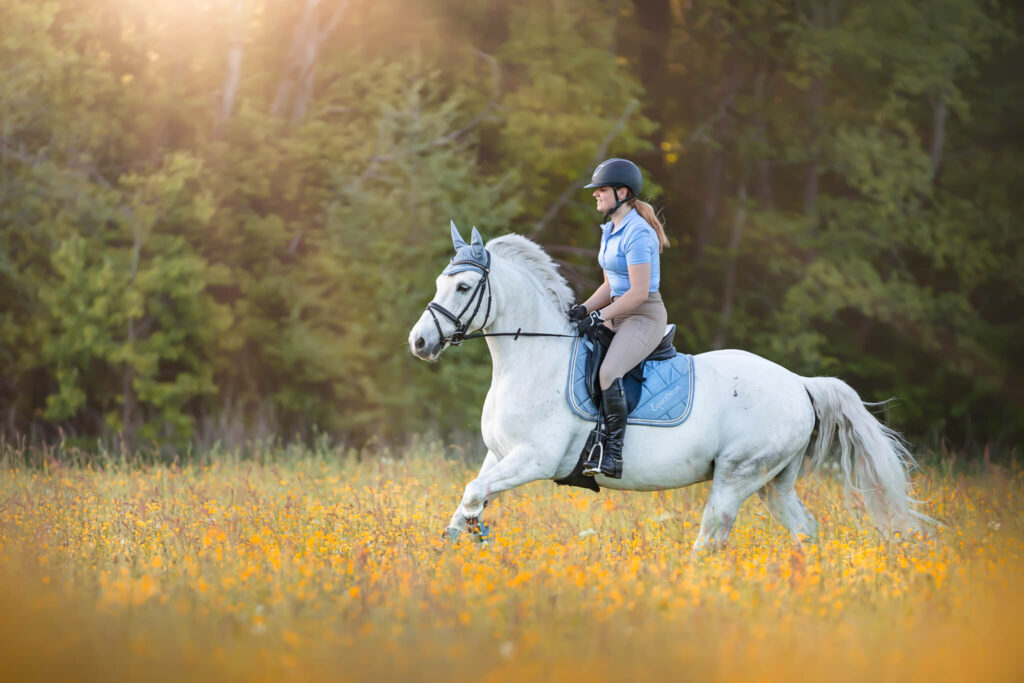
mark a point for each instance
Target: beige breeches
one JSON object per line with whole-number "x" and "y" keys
{"x": 637, "y": 333}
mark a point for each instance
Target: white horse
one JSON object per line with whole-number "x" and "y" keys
{"x": 750, "y": 426}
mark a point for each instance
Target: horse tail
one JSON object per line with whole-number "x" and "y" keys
{"x": 874, "y": 458}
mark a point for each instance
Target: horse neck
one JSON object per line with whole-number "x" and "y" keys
{"x": 522, "y": 304}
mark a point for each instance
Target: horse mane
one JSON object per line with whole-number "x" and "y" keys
{"x": 534, "y": 259}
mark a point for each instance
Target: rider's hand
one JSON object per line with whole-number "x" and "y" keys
{"x": 577, "y": 313}
{"x": 590, "y": 322}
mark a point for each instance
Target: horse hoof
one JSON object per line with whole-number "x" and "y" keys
{"x": 482, "y": 535}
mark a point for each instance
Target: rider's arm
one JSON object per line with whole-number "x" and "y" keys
{"x": 600, "y": 298}
{"x": 639, "y": 289}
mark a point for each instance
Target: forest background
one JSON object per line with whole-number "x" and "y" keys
{"x": 219, "y": 218}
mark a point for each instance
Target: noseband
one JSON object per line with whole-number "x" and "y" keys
{"x": 459, "y": 335}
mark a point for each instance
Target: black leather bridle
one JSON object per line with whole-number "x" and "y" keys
{"x": 483, "y": 285}
{"x": 459, "y": 335}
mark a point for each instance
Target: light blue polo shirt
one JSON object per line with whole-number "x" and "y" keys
{"x": 632, "y": 243}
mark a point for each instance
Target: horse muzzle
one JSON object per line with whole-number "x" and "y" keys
{"x": 424, "y": 341}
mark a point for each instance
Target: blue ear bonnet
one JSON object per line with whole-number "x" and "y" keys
{"x": 470, "y": 256}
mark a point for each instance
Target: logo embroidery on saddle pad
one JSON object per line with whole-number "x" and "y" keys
{"x": 665, "y": 394}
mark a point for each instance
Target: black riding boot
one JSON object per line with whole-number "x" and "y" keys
{"x": 613, "y": 405}
{"x": 614, "y": 411}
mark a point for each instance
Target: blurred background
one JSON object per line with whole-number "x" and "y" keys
{"x": 220, "y": 218}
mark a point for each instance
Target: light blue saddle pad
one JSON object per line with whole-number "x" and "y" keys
{"x": 666, "y": 393}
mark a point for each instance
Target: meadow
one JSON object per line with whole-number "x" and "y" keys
{"x": 298, "y": 564}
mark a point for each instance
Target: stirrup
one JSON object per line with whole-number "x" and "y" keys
{"x": 591, "y": 466}
{"x": 609, "y": 467}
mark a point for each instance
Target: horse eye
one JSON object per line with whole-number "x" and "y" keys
{"x": 462, "y": 287}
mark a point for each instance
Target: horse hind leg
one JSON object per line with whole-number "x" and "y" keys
{"x": 787, "y": 509}
{"x": 736, "y": 478}
{"x": 727, "y": 495}
{"x": 719, "y": 515}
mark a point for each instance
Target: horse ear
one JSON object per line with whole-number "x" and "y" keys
{"x": 477, "y": 243}
{"x": 457, "y": 240}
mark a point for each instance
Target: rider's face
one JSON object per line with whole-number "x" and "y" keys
{"x": 605, "y": 197}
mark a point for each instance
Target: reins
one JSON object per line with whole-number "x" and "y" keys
{"x": 518, "y": 333}
{"x": 459, "y": 335}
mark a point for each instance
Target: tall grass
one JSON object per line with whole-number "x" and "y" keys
{"x": 312, "y": 564}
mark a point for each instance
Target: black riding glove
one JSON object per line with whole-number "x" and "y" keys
{"x": 590, "y": 322}
{"x": 577, "y": 313}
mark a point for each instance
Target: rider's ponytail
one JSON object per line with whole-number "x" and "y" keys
{"x": 646, "y": 212}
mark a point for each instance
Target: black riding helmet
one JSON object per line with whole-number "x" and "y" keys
{"x": 616, "y": 173}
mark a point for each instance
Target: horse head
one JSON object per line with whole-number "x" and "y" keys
{"x": 462, "y": 302}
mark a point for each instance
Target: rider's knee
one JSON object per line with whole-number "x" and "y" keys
{"x": 606, "y": 377}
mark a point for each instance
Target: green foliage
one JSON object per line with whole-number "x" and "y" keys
{"x": 872, "y": 245}
{"x": 219, "y": 220}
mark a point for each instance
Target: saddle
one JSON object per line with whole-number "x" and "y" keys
{"x": 633, "y": 380}
{"x": 666, "y": 398}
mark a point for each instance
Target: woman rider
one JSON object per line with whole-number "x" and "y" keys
{"x": 628, "y": 302}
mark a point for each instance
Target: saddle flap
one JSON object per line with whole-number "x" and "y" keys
{"x": 600, "y": 339}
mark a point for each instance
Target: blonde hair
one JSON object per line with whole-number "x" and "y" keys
{"x": 646, "y": 212}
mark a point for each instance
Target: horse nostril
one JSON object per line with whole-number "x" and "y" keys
{"x": 420, "y": 343}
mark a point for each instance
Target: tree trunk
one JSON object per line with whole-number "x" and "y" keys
{"x": 235, "y": 52}
{"x": 612, "y": 10}
{"x": 292, "y": 71}
{"x": 815, "y": 99}
{"x": 939, "y": 113}
{"x": 815, "y": 102}
{"x": 295, "y": 91}
{"x": 129, "y": 404}
{"x": 655, "y": 19}
{"x": 729, "y": 291}
{"x": 764, "y": 185}
{"x": 863, "y": 331}
{"x": 710, "y": 211}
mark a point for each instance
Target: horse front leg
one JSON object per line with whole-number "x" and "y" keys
{"x": 524, "y": 464}
{"x": 458, "y": 522}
